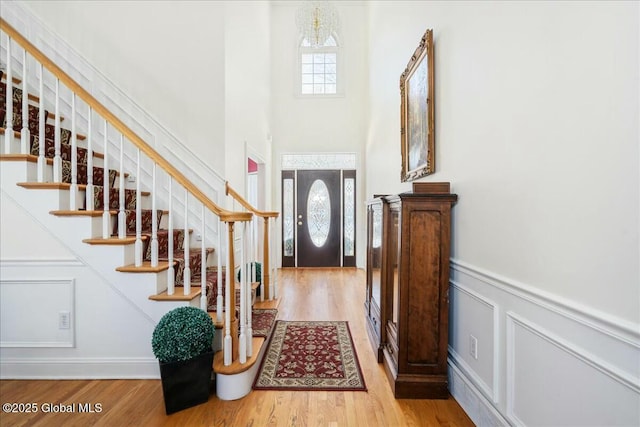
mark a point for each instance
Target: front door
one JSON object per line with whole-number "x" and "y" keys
{"x": 318, "y": 218}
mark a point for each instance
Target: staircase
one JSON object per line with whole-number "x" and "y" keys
{"x": 155, "y": 249}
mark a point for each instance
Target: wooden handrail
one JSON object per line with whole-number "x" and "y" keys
{"x": 223, "y": 214}
{"x": 263, "y": 214}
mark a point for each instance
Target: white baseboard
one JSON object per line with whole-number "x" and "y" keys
{"x": 472, "y": 400}
{"x": 79, "y": 368}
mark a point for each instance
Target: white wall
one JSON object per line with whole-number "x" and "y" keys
{"x": 108, "y": 336}
{"x": 247, "y": 87}
{"x": 320, "y": 125}
{"x": 167, "y": 56}
{"x": 536, "y": 128}
{"x": 537, "y": 118}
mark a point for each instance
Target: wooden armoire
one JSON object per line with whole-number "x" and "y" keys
{"x": 407, "y": 296}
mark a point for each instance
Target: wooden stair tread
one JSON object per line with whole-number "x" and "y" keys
{"x": 115, "y": 241}
{"x": 214, "y": 319}
{"x": 145, "y": 268}
{"x": 18, "y": 157}
{"x": 63, "y": 186}
{"x": 34, "y": 159}
{"x": 79, "y": 213}
{"x": 49, "y": 185}
{"x": 177, "y": 296}
{"x": 236, "y": 367}
{"x": 274, "y": 303}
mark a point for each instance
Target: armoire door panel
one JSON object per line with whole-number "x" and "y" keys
{"x": 423, "y": 290}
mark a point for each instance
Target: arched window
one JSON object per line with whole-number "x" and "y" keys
{"x": 319, "y": 68}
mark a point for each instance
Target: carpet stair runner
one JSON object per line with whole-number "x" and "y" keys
{"x": 195, "y": 254}
{"x": 233, "y": 381}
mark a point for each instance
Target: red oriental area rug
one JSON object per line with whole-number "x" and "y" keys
{"x": 310, "y": 356}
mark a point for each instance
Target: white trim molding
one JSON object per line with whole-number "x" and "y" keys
{"x": 40, "y": 262}
{"x": 492, "y": 390}
{"x": 553, "y": 361}
{"x": 603, "y": 322}
{"x": 30, "y": 310}
{"x": 92, "y": 368}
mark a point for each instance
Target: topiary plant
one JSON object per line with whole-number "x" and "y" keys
{"x": 182, "y": 334}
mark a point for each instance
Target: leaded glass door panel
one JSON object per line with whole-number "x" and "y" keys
{"x": 318, "y": 218}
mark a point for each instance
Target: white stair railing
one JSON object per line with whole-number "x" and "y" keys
{"x": 267, "y": 289}
{"x": 171, "y": 274}
{"x": 105, "y": 180}
{"x": 57, "y": 159}
{"x": 8, "y": 132}
{"x": 203, "y": 265}
{"x": 24, "y": 133}
{"x": 41, "y": 143}
{"x": 138, "y": 245}
{"x": 186, "y": 273}
{"x": 154, "y": 219}
{"x": 225, "y": 220}
{"x": 73, "y": 189}
{"x": 228, "y": 340}
{"x": 122, "y": 228}
{"x": 106, "y": 214}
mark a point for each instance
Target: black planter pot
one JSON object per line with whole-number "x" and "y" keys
{"x": 186, "y": 383}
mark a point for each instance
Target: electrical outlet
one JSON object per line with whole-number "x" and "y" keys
{"x": 131, "y": 179}
{"x": 198, "y": 237}
{"x": 473, "y": 347}
{"x": 64, "y": 320}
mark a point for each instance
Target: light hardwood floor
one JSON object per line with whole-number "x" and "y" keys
{"x": 305, "y": 294}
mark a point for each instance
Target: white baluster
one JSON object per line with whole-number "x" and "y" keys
{"x": 154, "y": 220}
{"x": 219, "y": 273}
{"x": 203, "y": 265}
{"x": 272, "y": 269}
{"x": 41, "y": 135}
{"x": 265, "y": 224}
{"x": 25, "y": 134}
{"x": 105, "y": 175}
{"x": 106, "y": 215}
{"x": 57, "y": 160}
{"x": 250, "y": 274}
{"x": 170, "y": 272}
{"x": 8, "y": 131}
{"x": 186, "y": 278}
{"x": 243, "y": 296}
{"x": 122, "y": 231}
{"x": 138, "y": 245}
{"x": 262, "y": 288}
{"x": 73, "y": 190}
{"x": 227, "y": 303}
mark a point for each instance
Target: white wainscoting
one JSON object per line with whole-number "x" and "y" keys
{"x": 541, "y": 359}
{"x": 35, "y": 323}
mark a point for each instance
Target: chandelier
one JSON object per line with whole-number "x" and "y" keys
{"x": 316, "y": 21}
